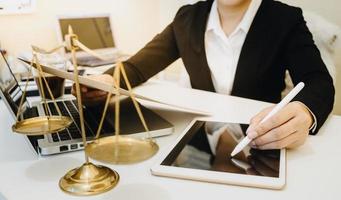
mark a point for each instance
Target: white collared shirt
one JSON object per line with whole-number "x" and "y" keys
{"x": 222, "y": 52}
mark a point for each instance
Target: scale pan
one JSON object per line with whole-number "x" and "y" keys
{"x": 41, "y": 125}
{"x": 121, "y": 149}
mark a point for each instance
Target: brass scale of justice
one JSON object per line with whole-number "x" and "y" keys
{"x": 88, "y": 179}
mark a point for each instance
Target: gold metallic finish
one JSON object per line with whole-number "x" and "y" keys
{"x": 121, "y": 150}
{"x": 78, "y": 90}
{"x": 43, "y": 51}
{"x": 117, "y": 76}
{"x": 89, "y": 179}
{"x": 107, "y": 101}
{"x": 24, "y": 93}
{"x": 137, "y": 107}
{"x": 41, "y": 125}
{"x": 48, "y": 89}
{"x": 44, "y": 124}
{"x": 40, "y": 85}
{"x": 117, "y": 149}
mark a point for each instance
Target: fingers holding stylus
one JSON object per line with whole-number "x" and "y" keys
{"x": 276, "y": 117}
{"x": 288, "y": 128}
{"x": 276, "y": 134}
{"x": 283, "y": 116}
{"x": 257, "y": 119}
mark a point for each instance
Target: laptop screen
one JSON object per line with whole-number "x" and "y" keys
{"x": 9, "y": 87}
{"x": 93, "y": 32}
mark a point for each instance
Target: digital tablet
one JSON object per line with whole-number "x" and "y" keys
{"x": 199, "y": 155}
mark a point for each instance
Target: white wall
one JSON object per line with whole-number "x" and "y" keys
{"x": 330, "y": 9}
{"x": 134, "y": 23}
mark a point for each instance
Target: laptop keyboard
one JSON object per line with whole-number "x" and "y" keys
{"x": 70, "y": 109}
{"x": 29, "y": 113}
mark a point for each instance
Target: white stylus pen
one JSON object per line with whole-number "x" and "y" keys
{"x": 277, "y": 108}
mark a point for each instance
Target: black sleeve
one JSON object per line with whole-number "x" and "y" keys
{"x": 304, "y": 62}
{"x": 153, "y": 58}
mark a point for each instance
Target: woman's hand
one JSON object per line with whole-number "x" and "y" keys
{"x": 289, "y": 128}
{"x": 91, "y": 96}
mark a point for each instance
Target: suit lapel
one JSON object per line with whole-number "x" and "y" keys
{"x": 246, "y": 77}
{"x": 197, "y": 42}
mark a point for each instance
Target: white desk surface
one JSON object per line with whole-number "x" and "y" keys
{"x": 313, "y": 171}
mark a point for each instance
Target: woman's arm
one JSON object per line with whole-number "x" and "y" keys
{"x": 290, "y": 127}
{"x": 305, "y": 64}
{"x": 151, "y": 59}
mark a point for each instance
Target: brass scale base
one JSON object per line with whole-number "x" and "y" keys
{"x": 90, "y": 179}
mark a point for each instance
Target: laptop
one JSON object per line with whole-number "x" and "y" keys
{"x": 70, "y": 139}
{"x": 95, "y": 32}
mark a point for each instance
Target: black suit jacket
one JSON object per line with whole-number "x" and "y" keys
{"x": 278, "y": 40}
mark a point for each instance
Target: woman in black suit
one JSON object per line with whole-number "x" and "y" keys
{"x": 276, "y": 39}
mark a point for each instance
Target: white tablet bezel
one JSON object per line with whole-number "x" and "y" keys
{"x": 219, "y": 177}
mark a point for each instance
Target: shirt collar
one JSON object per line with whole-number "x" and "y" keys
{"x": 213, "y": 23}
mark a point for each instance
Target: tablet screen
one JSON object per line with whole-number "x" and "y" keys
{"x": 199, "y": 149}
